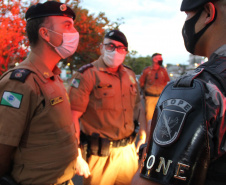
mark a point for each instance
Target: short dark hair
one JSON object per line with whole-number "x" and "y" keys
{"x": 155, "y": 54}
{"x": 32, "y": 28}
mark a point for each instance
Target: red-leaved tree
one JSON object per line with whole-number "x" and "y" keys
{"x": 13, "y": 43}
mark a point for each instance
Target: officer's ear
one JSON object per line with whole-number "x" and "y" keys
{"x": 43, "y": 32}
{"x": 210, "y": 10}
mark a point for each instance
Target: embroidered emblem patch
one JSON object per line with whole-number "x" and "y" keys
{"x": 11, "y": 99}
{"x": 56, "y": 100}
{"x": 75, "y": 83}
{"x": 170, "y": 121}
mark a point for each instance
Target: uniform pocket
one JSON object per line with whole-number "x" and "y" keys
{"x": 104, "y": 97}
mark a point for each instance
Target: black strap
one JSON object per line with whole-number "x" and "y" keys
{"x": 187, "y": 79}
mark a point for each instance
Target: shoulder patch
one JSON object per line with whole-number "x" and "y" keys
{"x": 85, "y": 67}
{"x": 126, "y": 66}
{"x": 20, "y": 75}
{"x": 11, "y": 99}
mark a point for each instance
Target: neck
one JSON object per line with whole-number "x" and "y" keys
{"x": 113, "y": 70}
{"x": 156, "y": 66}
{"x": 46, "y": 55}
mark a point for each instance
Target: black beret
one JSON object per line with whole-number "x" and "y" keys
{"x": 188, "y": 5}
{"x": 118, "y": 36}
{"x": 49, "y": 8}
{"x": 155, "y": 54}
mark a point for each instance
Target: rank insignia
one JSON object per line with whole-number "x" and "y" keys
{"x": 11, "y": 99}
{"x": 20, "y": 74}
{"x": 75, "y": 83}
{"x": 56, "y": 100}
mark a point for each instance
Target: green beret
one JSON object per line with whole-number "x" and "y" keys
{"x": 188, "y": 5}
{"x": 49, "y": 8}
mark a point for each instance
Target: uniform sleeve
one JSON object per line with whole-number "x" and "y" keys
{"x": 142, "y": 78}
{"x": 80, "y": 90}
{"x": 17, "y": 105}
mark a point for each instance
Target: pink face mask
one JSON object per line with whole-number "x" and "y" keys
{"x": 113, "y": 59}
{"x": 69, "y": 45}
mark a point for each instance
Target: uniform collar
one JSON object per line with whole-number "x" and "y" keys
{"x": 43, "y": 69}
{"x": 101, "y": 66}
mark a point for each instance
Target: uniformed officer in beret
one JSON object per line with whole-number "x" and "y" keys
{"x": 204, "y": 35}
{"x": 37, "y": 134}
{"x": 105, "y": 96}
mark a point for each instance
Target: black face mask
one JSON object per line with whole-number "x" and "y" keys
{"x": 188, "y": 31}
{"x": 160, "y": 62}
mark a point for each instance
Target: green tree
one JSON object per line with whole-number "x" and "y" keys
{"x": 137, "y": 64}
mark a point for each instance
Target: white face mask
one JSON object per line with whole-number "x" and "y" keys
{"x": 69, "y": 45}
{"x": 113, "y": 59}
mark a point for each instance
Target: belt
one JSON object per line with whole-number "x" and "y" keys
{"x": 150, "y": 94}
{"x": 122, "y": 142}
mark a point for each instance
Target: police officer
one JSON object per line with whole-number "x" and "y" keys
{"x": 203, "y": 162}
{"x": 152, "y": 81}
{"x": 37, "y": 135}
{"x": 105, "y": 96}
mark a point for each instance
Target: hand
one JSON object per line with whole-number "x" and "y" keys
{"x": 82, "y": 167}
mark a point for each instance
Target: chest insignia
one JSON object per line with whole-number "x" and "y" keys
{"x": 171, "y": 120}
{"x": 56, "y": 100}
{"x": 11, "y": 99}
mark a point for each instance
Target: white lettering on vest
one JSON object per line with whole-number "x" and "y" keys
{"x": 162, "y": 165}
{"x": 150, "y": 162}
{"x": 181, "y": 171}
{"x": 177, "y": 102}
{"x": 165, "y": 167}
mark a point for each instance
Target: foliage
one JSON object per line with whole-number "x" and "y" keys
{"x": 137, "y": 64}
{"x": 13, "y": 43}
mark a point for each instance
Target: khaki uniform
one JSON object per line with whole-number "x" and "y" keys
{"x": 153, "y": 82}
{"x": 36, "y": 118}
{"x": 107, "y": 101}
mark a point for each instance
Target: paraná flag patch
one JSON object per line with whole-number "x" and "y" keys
{"x": 11, "y": 99}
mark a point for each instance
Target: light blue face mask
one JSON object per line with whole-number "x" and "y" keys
{"x": 69, "y": 45}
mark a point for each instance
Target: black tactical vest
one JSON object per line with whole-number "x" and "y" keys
{"x": 178, "y": 152}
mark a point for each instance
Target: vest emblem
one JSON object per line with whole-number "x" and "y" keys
{"x": 170, "y": 121}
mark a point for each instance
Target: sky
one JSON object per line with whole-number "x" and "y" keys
{"x": 149, "y": 25}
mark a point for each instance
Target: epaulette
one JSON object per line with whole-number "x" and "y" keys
{"x": 127, "y": 66}
{"x": 85, "y": 67}
{"x": 20, "y": 74}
